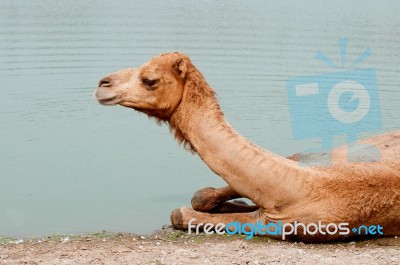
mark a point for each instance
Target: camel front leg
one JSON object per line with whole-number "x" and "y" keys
{"x": 214, "y": 200}
{"x": 180, "y": 218}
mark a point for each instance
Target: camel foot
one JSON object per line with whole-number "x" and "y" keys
{"x": 211, "y": 200}
{"x": 204, "y": 200}
{"x": 177, "y": 219}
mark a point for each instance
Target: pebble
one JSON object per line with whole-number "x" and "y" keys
{"x": 19, "y": 241}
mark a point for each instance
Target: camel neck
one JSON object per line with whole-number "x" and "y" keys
{"x": 247, "y": 168}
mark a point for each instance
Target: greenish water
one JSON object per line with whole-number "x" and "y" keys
{"x": 70, "y": 165}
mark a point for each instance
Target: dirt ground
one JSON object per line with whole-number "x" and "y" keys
{"x": 169, "y": 246}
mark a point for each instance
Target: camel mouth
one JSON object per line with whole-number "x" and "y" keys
{"x": 108, "y": 101}
{"x": 105, "y": 98}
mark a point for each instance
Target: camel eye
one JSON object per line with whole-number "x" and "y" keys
{"x": 149, "y": 83}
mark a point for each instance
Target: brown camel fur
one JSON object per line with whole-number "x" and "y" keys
{"x": 171, "y": 89}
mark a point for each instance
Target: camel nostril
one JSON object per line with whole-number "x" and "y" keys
{"x": 105, "y": 82}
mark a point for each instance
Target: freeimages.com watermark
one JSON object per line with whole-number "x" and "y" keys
{"x": 282, "y": 229}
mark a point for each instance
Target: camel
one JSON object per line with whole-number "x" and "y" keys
{"x": 172, "y": 90}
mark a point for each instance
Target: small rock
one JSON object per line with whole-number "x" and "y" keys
{"x": 301, "y": 251}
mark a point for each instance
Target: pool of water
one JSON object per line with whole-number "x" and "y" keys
{"x": 70, "y": 165}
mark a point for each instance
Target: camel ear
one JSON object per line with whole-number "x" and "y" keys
{"x": 180, "y": 67}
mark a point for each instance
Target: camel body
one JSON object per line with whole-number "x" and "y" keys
{"x": 171, "y": 89}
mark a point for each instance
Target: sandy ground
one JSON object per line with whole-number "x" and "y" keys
{"x": 174, "y": 247}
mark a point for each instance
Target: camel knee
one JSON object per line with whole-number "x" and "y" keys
{"x": 177, "y": 219}
{"x": 182, "y": 217}
{"x": 204, "y": 200}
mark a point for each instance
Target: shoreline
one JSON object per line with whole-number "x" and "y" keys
{"x": 168, "y": 246}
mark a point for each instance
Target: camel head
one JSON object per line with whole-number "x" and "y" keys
{"x": 155, "y": 88}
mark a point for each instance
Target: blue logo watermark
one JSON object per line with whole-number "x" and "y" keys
{"x": 340, "y": 102}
